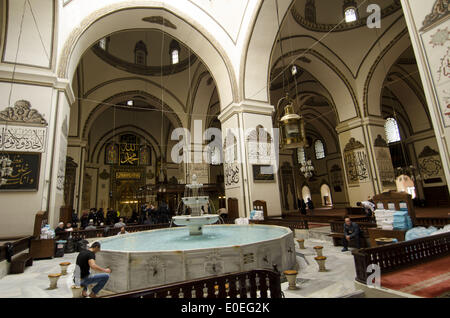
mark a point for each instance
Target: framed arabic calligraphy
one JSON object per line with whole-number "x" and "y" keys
{"x": 25, "y": 171}
{"x": 128, "y": 154}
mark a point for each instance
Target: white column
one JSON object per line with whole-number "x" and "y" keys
{"x": 240, "y": 182}
{"x": 429, "y": 28}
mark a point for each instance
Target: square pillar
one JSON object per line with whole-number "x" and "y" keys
{"x": 250, "y": 164}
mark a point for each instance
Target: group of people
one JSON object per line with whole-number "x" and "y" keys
{"x": 154, "y": 215}
{"x": 302, "y": 205}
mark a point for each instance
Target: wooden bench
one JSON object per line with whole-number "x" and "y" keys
{"x": 392, "y": 257}
{"x": 18, "y": 263}
{"x": 337, "y": 233}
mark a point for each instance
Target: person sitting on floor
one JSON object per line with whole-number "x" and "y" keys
{"x": 91, "y": 225}
{"x": 122, "y": 231}
{"x": 119, "y": 224}
{"x": 59, "y": 228}
{"x": 85, "y": 262}
{"x": 351, "y": 232}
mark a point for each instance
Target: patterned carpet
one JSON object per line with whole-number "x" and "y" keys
{"x": 431, "y": 279}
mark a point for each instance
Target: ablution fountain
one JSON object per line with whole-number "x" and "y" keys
{"x": 195, "y": 250}
{"x": 194, "y": 201}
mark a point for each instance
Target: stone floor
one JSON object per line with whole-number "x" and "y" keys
{"x": 34, "y": 282}
{"x": 338, "y": 281}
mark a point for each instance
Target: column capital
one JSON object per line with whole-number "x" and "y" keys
{"x": 358, "y": 122}
{"x": 78, "y": 142}
{"x": 246, "y": 106}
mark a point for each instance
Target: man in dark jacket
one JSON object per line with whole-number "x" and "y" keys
{"x": 351, "y": 232}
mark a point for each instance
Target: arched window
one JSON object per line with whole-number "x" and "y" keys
{"x": 306, "y": 193}
{"x": 326, "y": 195}
{"x": 301, "y": 157}
{"x": 319, "y": 149}
{"x": 140, "y": 53}
{"x": 391, "y": 130}
{"x": 174, "y": 52}
{"x": 102, "y": 44}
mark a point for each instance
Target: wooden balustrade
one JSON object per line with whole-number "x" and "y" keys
{"x": 338, "y": 227}
{"x": 324, "y": 218}
{"x": 429, "y": 221}
{"x": 404, "y": 254}
{"x": 250, "y": 284}
{"x": 102, "y": 232}
{"x": 293, "y": 225}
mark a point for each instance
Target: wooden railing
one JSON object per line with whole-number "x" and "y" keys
{"x": 436, "y": 222}
{"x": 338, "y": 227}
{"x": 17, "y": 245}
{"x": 404, "y": 254}
{"x": 293, "y": 225}
{"x": 87, "y": 234}
{"x": 324, "y": 218}
{"x": 251, "y": 284}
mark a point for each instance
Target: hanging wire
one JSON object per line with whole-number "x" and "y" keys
{"x": 394, "y": 99}
{"x": 14, "y": 68}
{"x": 303, "y": 53}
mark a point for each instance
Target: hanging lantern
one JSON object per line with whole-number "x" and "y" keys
{"x": 292, "y": 127}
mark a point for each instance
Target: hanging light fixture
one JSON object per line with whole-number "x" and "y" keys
{"x": 350, "y": 11}
{"x": 292, "y": 126}
{"x": 307, "y": 169}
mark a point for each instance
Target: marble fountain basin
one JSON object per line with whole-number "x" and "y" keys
{"x": 158, "y": 257}
{"x": 195, "y": 223}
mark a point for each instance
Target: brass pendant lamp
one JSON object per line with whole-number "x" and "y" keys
{"x": 292, "y": 126}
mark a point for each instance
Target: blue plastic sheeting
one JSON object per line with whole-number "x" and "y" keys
{"x": 419, "y": 232}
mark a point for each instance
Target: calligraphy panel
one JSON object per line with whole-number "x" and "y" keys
{"x": 145, "y": 158}
{"x": 25, "y": 172}
{"x": 437, "y": 49}
{"x": 356, "y": 162}
{"x": 129, "y": 154}
{"x": 111, "y": 154}
{"x": 22, "y": 138}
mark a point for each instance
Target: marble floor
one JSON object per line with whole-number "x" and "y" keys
{"x": 337, "y": 281}
{"x": 34, "y": 282}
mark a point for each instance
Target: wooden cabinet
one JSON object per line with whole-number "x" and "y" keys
{"x": 375, "y": 233}
{"x": 42, "y": 248}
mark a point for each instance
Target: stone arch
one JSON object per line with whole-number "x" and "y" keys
{"x": 306, "y": 192}
{"x": 110, "y": 135}
{"x": 98, "y": 110}
{"x": 171, "y": 19}
{"x": 379, "y": 69}
{"x": 258, "y": 49}
{"x": 325, "y": 191}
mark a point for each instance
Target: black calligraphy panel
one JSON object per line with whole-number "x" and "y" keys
{"x": 25, "y": 171}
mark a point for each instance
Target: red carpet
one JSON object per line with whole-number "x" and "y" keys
{"x": 431, "y": 279}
